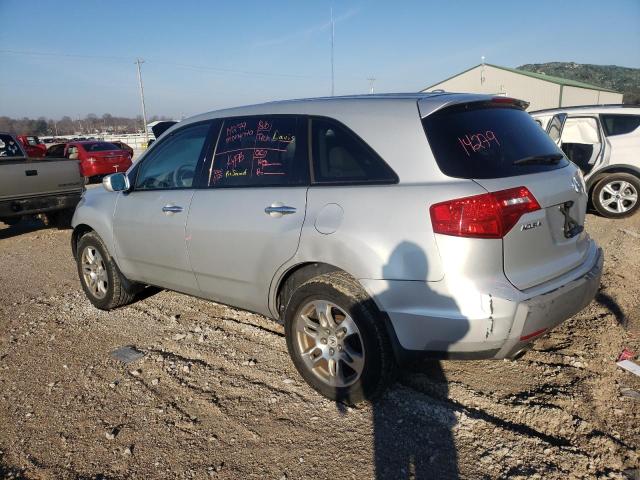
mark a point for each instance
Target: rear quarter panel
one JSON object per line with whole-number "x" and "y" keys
{"x": 625, "y": 149}
{"x": 380, "y": 231}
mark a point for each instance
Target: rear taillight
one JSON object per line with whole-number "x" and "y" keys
{"x": 490, "y": 215}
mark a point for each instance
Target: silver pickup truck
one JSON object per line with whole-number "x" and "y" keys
{"x": 30, "y": 186}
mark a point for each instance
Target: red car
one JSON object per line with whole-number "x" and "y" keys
{"x": 123, "y": 146}
{"x": 32, "y": 145}
{"x": 98, "y": 158}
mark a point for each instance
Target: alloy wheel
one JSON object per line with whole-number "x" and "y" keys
{"x": 329, "y": 343}
{"x": 94, "y": 272}
{"x": 618, "y": 196}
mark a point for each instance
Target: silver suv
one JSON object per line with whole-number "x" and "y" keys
{"x": 376, "y": 228}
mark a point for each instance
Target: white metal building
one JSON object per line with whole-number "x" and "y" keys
{"x": 541, "y": 91}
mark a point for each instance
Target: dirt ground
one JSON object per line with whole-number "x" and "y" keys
{"x": 216, "y": 396}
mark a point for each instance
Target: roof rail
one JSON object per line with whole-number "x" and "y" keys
{"x": 597, "y": 105}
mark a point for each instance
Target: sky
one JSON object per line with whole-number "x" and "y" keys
{"x": 76, "y": 57}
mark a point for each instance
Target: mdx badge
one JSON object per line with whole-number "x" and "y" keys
{"x": 529, "y": 226}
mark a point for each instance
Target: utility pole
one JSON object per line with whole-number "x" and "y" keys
{"x": 332, "y": 41}
{"x": 138, "y": 62}
{"x": 371, "y": 82}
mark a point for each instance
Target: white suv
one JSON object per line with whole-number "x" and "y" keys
{"x": 604, "y": 141}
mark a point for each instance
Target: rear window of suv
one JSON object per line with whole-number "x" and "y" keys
{"x": 620, "y": 124}
{"x": 481, "y": 140}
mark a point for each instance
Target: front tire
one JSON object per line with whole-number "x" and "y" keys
{"x": 103, "y": 284}
{"x": 616, "y": 196}
{"x": 337, "y": 339}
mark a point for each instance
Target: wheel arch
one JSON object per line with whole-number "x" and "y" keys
{"x": 294, "y": 276}
{"x": 298, "y": 274}
{"x": 78, "y": 232}
{"x": 605, "y": 172}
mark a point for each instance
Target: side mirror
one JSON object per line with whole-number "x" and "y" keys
{"x": 116, "y": 182}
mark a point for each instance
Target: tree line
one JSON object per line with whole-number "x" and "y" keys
{"x": 89, "y": 125}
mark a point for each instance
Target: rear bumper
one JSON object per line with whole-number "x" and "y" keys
{"x": 459, "y": 320}
{"x": 538, "y": 315}
{"x": 89, "y": 169}
{"x": 33, "y": 205}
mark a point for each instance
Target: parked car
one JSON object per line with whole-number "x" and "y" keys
{"x": 30, "y": 186}
{"x": 98, "y": 158}
{"x": 56, "y": 150}
{"x": 604, "y": 141}
{"x": 32, "y": 145}
{"x": 123, "y": 146}
{"x": 376, "y": 228}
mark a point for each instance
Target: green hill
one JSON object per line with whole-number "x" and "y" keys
{"x": 622, "y": 79}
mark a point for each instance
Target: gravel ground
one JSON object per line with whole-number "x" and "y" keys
{"x": 215, "y": 395}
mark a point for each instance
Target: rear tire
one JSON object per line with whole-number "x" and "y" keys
{"x": 616, "y": 195}
{"x": 103, "y": 284}
{"x": 337, "y": 339}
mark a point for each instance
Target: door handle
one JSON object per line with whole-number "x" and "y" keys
{"x": 277, "y": 210}
{"x": 172, "y": 209}
{"x": 31, "y": 173}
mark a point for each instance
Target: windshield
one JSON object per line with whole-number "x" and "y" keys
{"x": 485, "y": 141}
{"x": 99, "y": 147}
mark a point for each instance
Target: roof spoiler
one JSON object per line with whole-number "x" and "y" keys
{"x": 511, "y": 101}
{"x": 427, "y": 106}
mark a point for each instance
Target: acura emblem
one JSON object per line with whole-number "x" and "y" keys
{"x": 576, "y": 184}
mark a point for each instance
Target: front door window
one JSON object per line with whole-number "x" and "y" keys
{"x": 172, "y": 164}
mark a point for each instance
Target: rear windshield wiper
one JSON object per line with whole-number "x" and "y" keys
{"x": 539, "y": 159}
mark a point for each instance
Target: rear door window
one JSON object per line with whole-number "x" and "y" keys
{"x": 261, "y": 151}
{"x": 619, "y": 124}
{"x": 487, "y": 141}
{"x": 339, "y": 156}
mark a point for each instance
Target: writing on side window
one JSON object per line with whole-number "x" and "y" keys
{"x": 254, "y": 148}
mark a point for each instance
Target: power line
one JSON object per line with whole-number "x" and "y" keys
{"x": 69, "y": 55}
{"x": 160, "y": 62}
{"x": 227, "y": 70}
